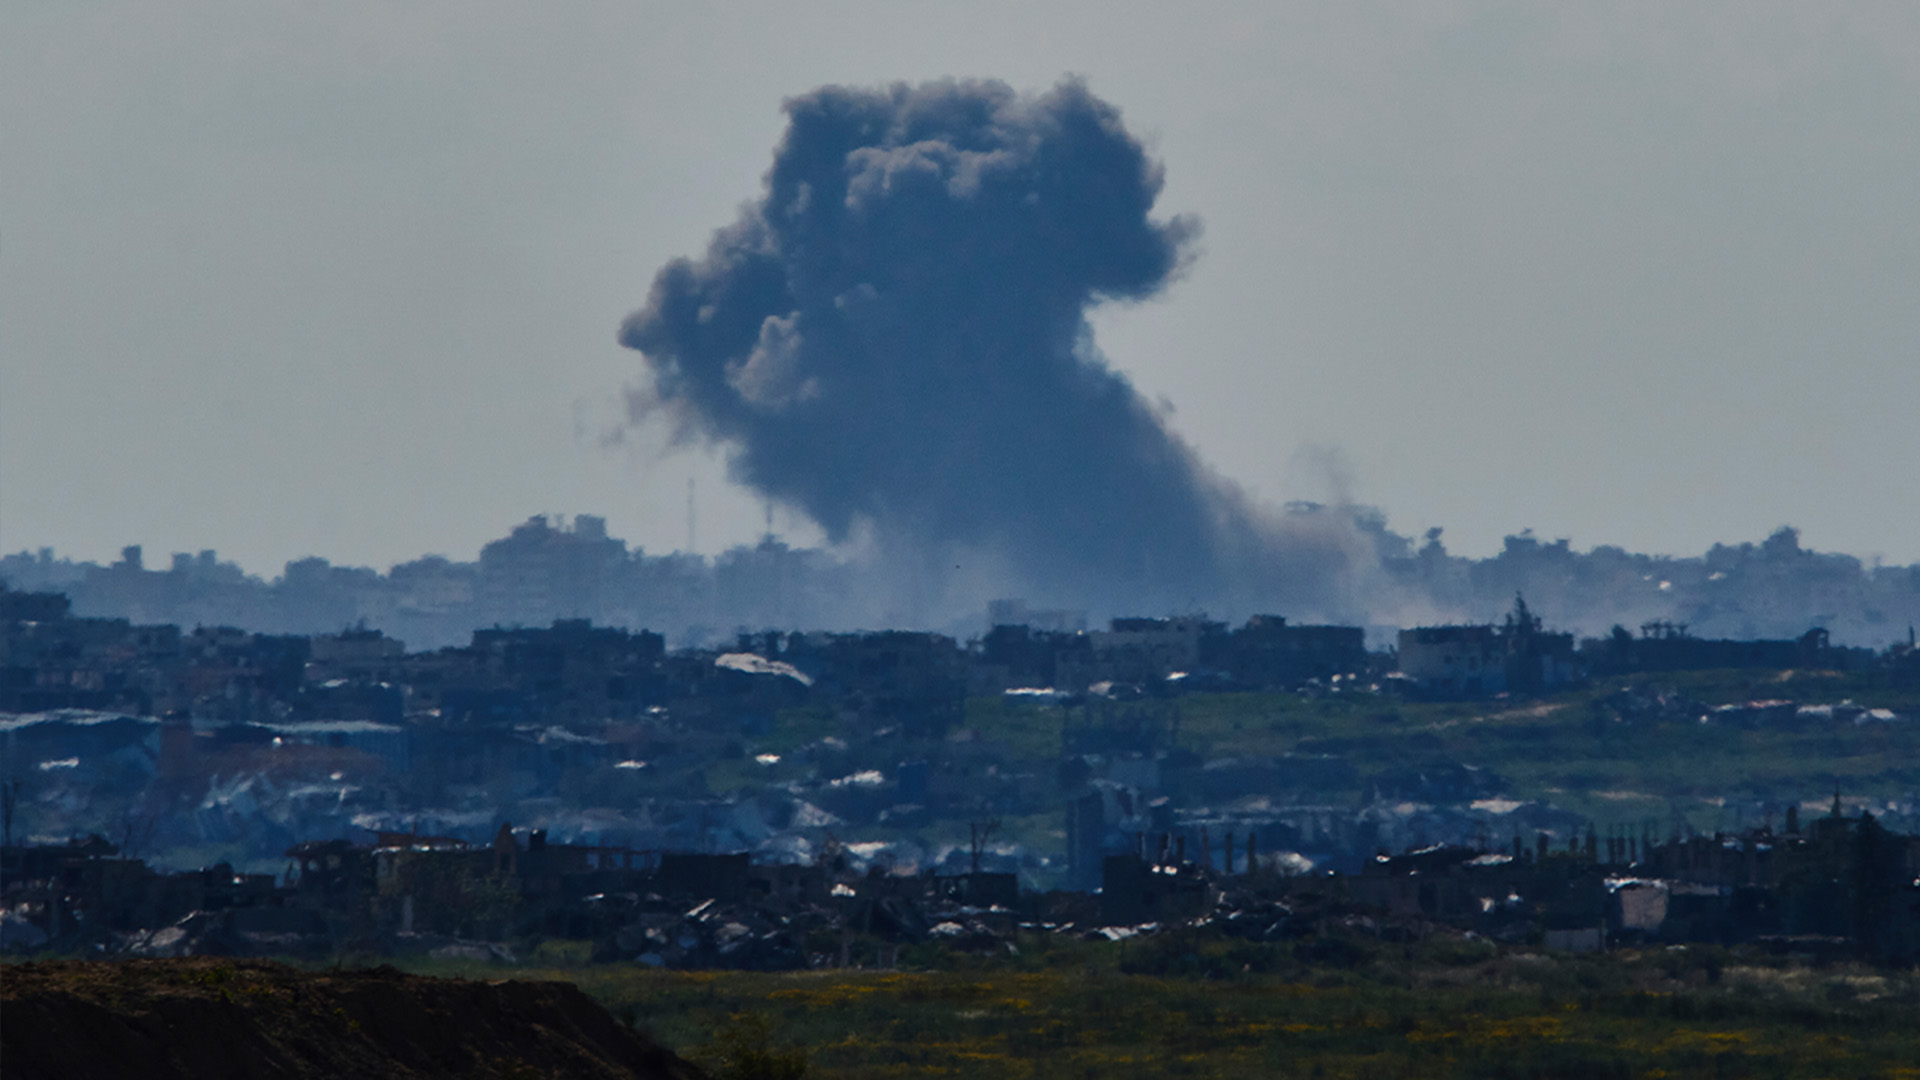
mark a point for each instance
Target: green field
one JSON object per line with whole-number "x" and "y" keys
{"x": 1568, "y": 749}
{"x": 1447, "y": 1008}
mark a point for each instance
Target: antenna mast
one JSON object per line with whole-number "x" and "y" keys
{"x": 690, "y": 518}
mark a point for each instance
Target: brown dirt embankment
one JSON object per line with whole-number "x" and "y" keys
{"x": 211, "y": 1019}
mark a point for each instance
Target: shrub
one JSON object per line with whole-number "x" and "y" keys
{"x": 743, "y": 1049}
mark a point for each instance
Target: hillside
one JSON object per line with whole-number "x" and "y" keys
{"x": 214, "y": 1020}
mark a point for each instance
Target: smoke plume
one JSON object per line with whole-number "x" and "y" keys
{"x": 894, "y": 337}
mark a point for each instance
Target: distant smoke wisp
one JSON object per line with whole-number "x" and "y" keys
{"x": 895, "y": 335}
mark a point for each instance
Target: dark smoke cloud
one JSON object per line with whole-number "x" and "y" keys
{"x": 895, "y": 335}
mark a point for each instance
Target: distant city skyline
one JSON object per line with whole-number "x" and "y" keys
{"x": 547, "y": 569}
{"x": 345, "y": 281}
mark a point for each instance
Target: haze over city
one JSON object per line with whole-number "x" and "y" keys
{"x": 1052, "y": 540}
{"x": 346, "y": 281}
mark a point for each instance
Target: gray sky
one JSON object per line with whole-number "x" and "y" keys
{"x": 344, "y": 278}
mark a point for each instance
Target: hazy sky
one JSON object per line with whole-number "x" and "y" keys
{"x": 292, "y": 278}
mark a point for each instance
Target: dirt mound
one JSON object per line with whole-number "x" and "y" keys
{"x": 212, "y": 1019}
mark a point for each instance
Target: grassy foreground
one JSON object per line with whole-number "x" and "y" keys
{"x": 1444, "y": 1009}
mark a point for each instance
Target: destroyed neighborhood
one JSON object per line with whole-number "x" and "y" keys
{"x": 807, "y": 800}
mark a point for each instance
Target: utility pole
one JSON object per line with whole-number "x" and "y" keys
{"x": 690, "y": 534}
{"x": 9, "y": 798}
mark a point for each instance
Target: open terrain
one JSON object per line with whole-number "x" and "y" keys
{"x": 1180, "y": 1006}
{"x": 210, "y": 1019}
